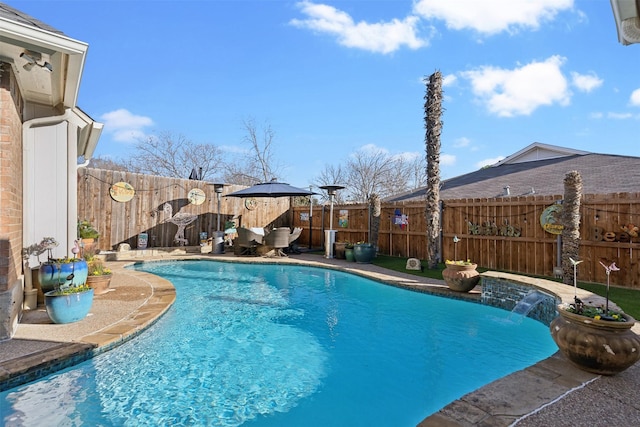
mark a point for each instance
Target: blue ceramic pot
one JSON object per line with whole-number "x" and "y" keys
{"x": 348, "y": 254}
{"x": 53, "y": 273}
{"x": 364, "y": 253}
{"x": 68, "y": 308}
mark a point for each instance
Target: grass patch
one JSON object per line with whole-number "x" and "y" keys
{"x": 627, "y": 299}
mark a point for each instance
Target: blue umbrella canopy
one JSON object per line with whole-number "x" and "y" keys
{"x": 271, "y": 189}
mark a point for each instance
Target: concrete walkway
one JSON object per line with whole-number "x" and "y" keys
{"x": 551, "y": 393}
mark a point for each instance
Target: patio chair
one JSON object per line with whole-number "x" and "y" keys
{"x": 247, "y": 241}
{"x": 277, "y": 240}
{"x": 292, "y": 238}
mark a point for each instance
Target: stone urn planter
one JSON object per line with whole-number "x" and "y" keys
{"x": 603, "y": 347}
{"x": 68, "y": 306}
{"x": 461, "y": 277}
{"x": 364, "y": 253}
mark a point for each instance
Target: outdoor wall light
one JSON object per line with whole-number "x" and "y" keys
{"x": 32, "y": 59}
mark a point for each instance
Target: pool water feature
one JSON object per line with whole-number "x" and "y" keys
{"x": 283, "y": 345}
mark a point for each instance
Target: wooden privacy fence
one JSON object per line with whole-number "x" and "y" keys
{"x": 500, "y": 233}
{"x": 122, "y": 221}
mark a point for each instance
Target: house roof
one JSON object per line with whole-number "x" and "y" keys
{"x": 601, "y": 174}
{"x": 15, "y": 15}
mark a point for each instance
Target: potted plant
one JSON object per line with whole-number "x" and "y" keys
{"x": 67, "y": 304}
{"x": 348, "y": 252}
{"x": 364, "y": 252}
{"x": 338, "y": 250}
{"x": 99, "y": 277}
{"x": 596, "y": 339}
{"x": 460, "y": 275}
{"x": 69, "y": 298}
{"x": 61, "y": 272}
{"x": 87, "y": 234}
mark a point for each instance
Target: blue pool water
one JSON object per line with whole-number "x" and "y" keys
{"x": 283, "y": 345}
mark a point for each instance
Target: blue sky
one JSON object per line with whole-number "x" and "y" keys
{"x": 332, "y": 77}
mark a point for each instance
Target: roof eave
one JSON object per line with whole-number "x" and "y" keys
{"x": 73, "y": 54}
{"x": 626, "y": 15}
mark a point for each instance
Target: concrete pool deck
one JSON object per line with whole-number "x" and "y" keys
{"x": 551, "y": 393}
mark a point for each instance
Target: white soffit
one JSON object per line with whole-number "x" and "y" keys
{"x": 66, "y": 55}
{"x": 625, "y": 13}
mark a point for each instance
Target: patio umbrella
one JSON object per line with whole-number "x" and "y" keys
{"x": 271, "y": 189}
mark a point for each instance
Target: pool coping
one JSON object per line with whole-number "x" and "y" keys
{"x": 504, "y": 402}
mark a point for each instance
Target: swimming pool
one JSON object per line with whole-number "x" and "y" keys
{"x": 284, "y": 345}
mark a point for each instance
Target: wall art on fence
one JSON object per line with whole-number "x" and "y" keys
{"x": 627, "y": 235}
{"x": 550, "y": 219}
{"x": 196, "y": 196}
{"x": 122, "y": 192}
{"x": 304, "y": 216}
{"x": 492, "y": 229}
{"x": 401, "y": 219}
{"x": 343, "y": 218}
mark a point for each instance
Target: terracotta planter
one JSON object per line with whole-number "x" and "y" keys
{"x": 68, "y": 308}
{"x": 461, "y": 277}
{"x": 89, "y": 245}
{"x": 99, "y": 284}
{"x": 599, "y": 346}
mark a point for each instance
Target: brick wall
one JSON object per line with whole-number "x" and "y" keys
{"x": 10, "y": 201}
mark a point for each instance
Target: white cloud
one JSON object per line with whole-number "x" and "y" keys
{"x": 635, "y": 98}
{"x": 449, "y": 80}
{"x": 236, "y": 149}
{"x": 492, "y": 16}
{"x": 596, "y": 115}
{"x": 619, "y": 116}
{"x": 586, "y": 82}
{"x": 447, "y": 159}
{"x": 462, "y": 142}
{"x": 383, "y": 37}
{"x": 373, "y": 149}
{"x": 488, "y": 162}
{"x": 124, "y": 126}
{"x": 520, "y": 91}
{"x": 408, "y": 156}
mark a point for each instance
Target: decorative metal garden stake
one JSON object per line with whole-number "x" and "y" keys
{"x": 455, "y": 247}
{"x": 575, "y": 283}
{"x": 609, "y": 269}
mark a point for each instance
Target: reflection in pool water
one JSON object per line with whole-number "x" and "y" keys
{"x": 283, "y": 345}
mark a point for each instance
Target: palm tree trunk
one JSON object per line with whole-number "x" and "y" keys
{"x": 374, "y": 205}
{"x": 433, "y": 125}
{"x": 570, "y": 219}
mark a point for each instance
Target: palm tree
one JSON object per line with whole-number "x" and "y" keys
{"x": 570, "y": 220}
{"x": 375, "y": 209}
{"x": 433, "y": 125}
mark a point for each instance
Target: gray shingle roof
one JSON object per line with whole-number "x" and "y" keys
{"x": 601, "y": 174}
{"x": 15, "y": 15}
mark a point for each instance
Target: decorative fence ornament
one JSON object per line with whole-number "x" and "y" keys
{"x": 122, "y": 192}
